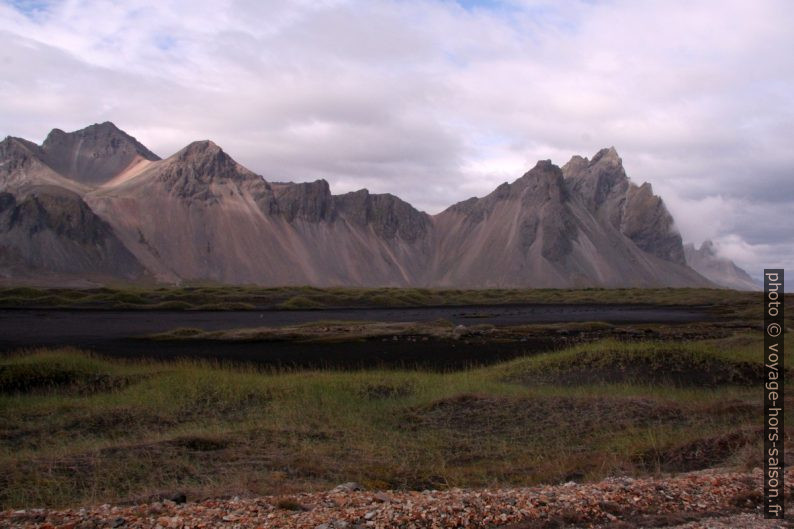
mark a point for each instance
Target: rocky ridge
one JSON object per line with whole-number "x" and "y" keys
{"x": 634, "y": 210}
{"x": 200, "y": 216}
{"x": 722, "y": 271}
{"x": 93, "y": 155}
{"x": 47, "y": 230}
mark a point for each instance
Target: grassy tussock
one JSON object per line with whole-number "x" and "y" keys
{"x": 321, "y": 331}
{"x": 742, "y": 305}
{"x": 731, "y": 361}
{"x": 207, "y": 430}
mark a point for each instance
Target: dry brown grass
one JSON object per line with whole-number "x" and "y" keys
{"x": 210, "y": 431}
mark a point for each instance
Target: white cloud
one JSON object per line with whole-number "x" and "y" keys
{"x": 432, "y": 100}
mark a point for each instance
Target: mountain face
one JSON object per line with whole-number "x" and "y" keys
{"x": 636, "y": 212}
{"x": 93, "y": 155}
{"x": 96, "y": 205}
{"x": 720, "y": 270}
{"x": 48, "y": 233}
{"x": 582, "y": 225}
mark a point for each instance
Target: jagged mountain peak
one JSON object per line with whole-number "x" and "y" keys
{"x": 11, "y": 140}
{"x": 646, "y": 221}
{"x": 16, "y": 158}
{"x": 603, "y": 187}
{"x": 198, "y": 169}
{"x": 93, "y": 155}
{"x": 543, "y": 183}
{"x": 606, "y": 159}
{"x": 706, "y": 247}
{"x": 575, "y": 165}
{"x": 598, "y": 181}
{"x": 11, "y": 146}
{"x": 543, "y": 173}
{"x": 204, "y": 160}
{"x": 22, "y": 167}
{"x": 543, "y": 169}
{"x": 721, "y": 270}
{"x": 644, "y": 190}
{"x": 199, "y": 148}
{"x": 607, "y": 155}
{"x": 96, "y": 129}
{"x": 205, "y": 155}
{"x": 100, "y": 134}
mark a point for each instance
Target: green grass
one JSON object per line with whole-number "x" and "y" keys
{"x": 732, "y": 361}
{"x": 123, "y": 430}
{"x": 320, "y": 331}
{"x": 728, "y": 303}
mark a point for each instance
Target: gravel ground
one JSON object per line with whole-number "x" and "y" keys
{"x": 706, "y": 499}
{"x": 738, "y": 521}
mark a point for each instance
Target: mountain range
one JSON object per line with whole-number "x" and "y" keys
{"x": 707, "y": 262}
{"x": 96, "y": 206}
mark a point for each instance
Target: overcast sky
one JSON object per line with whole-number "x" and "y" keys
{"x": 437, "y": 101}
